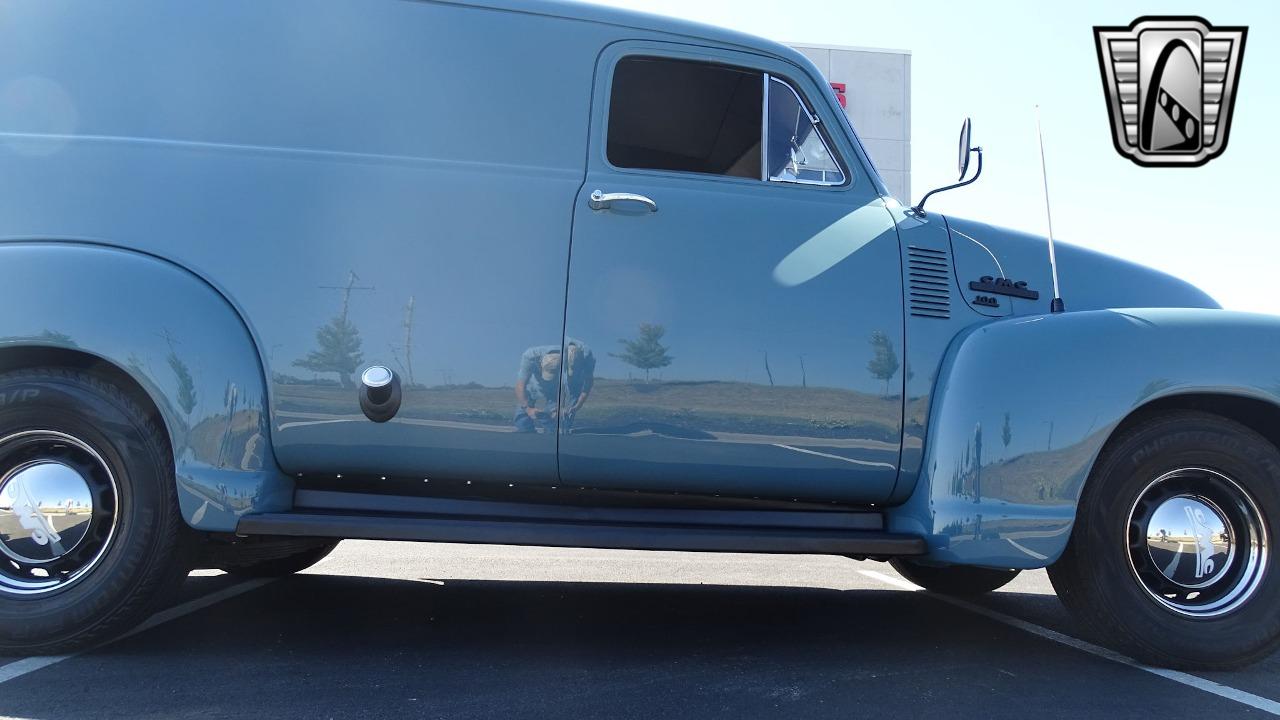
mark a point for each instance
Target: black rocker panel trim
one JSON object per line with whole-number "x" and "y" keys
{"x": 362, "y": 503}
{"x": 591, "y": 535}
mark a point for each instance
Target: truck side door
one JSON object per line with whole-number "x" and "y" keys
{"x": 734, "y": 322}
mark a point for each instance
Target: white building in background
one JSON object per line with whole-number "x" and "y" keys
{"x": 877, "y": 91}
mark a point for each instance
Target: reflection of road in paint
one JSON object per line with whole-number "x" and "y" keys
{"x": 835, "y": 457}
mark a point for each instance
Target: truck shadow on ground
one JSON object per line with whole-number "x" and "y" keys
{"x": 373, "y": 647}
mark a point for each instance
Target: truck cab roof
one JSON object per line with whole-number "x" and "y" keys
{"x": 587, "y": 12}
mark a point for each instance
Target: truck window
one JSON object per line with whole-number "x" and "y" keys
{"x": 686, "y": 116}
{"x": 797, "y": 151}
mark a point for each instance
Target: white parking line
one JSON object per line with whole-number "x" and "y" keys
{"x": 1199, "y": 683}
{"x": 26, "y": 666}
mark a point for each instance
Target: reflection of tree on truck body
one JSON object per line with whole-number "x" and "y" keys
{"x": 884, "y": 363}
{"x": 337, "y": 351}
{"x": 646, "y": 352}
{"x": 338, "y": 342}
{"x": 186, "y": 385}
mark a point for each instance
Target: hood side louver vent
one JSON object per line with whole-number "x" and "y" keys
{"x": 929, "y": 290}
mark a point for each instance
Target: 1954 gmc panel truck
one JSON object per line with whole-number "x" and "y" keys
{"x": 269, "y": 268}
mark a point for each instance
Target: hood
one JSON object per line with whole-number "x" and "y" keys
{"x": 1005, "y": 272}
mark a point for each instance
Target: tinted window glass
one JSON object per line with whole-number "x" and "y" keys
{"x": 688, "y": 116}
{"x": 797, "y": 150}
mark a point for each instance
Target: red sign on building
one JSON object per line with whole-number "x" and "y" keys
{"x": 839, "y": 88}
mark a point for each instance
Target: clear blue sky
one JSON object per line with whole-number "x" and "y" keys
{"x": 1214, "y": 225}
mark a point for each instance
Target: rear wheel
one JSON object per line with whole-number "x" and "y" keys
{"x": 90, "y": 534}
{"x": 1170, "y": 556}
{"x": 953, "y": 579}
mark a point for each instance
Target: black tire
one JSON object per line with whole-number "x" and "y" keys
{"x": 146, "y": 551}
{"x": 960, "y": 580}
{"x": 1105, "y": 580}
{"x": 281, "y": 566}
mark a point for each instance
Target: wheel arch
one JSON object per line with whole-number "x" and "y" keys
{"x": 1259, "y": 415}
{"x": 170, "y": 340}
{"x": 26, "y": 357}
{"x": 1023, "y": 407}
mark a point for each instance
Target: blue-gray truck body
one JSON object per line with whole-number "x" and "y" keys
{"x": 407, "y": 184}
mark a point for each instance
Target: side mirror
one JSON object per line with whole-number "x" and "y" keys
{"x": 966, "y": 131}
{"x": 966, "y": 152}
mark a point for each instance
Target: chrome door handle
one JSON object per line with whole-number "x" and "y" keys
{"x": 601, "y": 200}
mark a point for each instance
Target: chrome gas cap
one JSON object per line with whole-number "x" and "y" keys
{"x": 1189, "y": 541}
{"x": 379, "y": 393}
{"x": 46, "y": 508}
{"x": 377, "y": 376}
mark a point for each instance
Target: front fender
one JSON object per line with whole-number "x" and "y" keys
{"x": 180, "y": 340}
{"x": 1024, "y": 405}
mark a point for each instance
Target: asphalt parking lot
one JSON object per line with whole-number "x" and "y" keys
{"x": 393, "y": 630}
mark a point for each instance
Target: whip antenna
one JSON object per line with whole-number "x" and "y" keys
{"x": 1056, "y": 305}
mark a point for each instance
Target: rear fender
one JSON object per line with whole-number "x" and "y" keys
{"x": 179, "y": 340}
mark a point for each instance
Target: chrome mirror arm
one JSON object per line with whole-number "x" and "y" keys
{"x": 919, "y": 207}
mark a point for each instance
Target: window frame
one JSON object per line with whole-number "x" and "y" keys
{"x": 624, "y": 50}
{"x": 818, "y": 125}
{"x": 607, "y": 118}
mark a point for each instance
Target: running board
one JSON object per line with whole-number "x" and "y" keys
{"x": 631, "y": 536}
{"x": 357, "y": 503}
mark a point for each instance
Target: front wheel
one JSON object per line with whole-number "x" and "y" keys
{"x": 1170, "y": 556}
{"x": 958, "y": 580}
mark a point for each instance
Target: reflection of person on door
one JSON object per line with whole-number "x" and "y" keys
{"x": 580, "y": 377}
{"x": 537, "y": 380}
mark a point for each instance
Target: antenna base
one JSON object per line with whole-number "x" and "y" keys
{"x": 1056, "y": 305}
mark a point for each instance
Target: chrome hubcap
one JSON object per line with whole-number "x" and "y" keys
{"x": 51, "y": 502}
{"x": 58, "y": 502}
{"x": 1189, "y": 541}
{"x": 1197, "y": 542}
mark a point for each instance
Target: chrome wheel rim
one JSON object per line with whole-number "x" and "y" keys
{"x": 59, "y": 505}
{"x": 1197, "y": 543}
